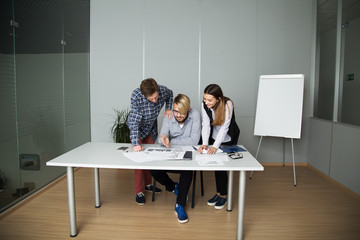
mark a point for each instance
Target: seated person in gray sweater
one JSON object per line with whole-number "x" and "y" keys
{"x": 182, "y": 129}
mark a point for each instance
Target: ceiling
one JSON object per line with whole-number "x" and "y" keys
{"x": 327, "y": 11}
{"x": 41, "y": 26}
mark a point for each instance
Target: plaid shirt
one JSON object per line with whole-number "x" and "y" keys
{"x": 142, "y": 120}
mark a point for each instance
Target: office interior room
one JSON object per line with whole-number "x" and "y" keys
{"x": 67, "y": 64}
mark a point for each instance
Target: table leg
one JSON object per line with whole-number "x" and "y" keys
{"x": 97, "y": 188}
{"x": 240, "y": 227}
{"x": 71, "y": 199}
{"x": 230, "y": 189}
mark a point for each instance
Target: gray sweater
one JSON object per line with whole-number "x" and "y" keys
{"x": 188, "y": 135}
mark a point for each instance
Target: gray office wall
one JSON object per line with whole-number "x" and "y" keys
{"x": 186, "y": 45}
{"x": 334, "y": 150}
{"x": 345, "y": 154}
{"x": 319, "y": 151}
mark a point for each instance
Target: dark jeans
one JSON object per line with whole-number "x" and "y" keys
{"x": 184, "y": 183}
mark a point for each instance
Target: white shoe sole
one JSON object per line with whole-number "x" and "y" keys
{"x": 220, "y": 207}
{"x": 181, "y": 221}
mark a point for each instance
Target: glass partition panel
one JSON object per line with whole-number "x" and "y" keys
{"x": 326, "y": 34}
{"x": 39, "y": 84}
{"x": 44, "y": 90}
{"x": 76, "y": 72}
{"x": 351, "y": 65}
{"x": 9, "y": 173}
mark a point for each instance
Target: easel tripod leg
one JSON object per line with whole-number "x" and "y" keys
{"x": 292, "y": 146}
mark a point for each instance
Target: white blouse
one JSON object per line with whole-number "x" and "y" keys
{"x": 219, "y": 132}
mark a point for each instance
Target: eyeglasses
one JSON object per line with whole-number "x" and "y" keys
{"x": 177, "y": 113}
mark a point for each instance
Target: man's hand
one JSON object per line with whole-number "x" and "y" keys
{"x": 165, "y": 140}
{"x": 138, "y": 148}
{"x": 168, "y": 113}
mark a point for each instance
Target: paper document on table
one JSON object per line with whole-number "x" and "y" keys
{"x": 205, "y": 151}
{"x": 159, "y": 150}
{"x": 166, "y": 155}
{"x": 138, "y": 157}
{"x": 154, "y": 155}
{"x": 174, "y": 148}
{"x": 187, "y": 148}
{"x": 211, "y": 160}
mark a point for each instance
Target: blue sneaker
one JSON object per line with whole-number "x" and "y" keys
{"x": 212, "y": 201}
{"x": 181, "y": 214}
{"x": 221, "y": 202}
{"x": 176, "y": 190}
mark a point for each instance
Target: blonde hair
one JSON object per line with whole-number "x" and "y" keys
{"x": 183, "y": 103}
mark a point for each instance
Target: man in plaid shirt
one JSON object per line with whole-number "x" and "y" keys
{"x": 146, "y": 103}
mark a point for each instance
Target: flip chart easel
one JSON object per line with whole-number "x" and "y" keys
{"x": 279, "y": 109}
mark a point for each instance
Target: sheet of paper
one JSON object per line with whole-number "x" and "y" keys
{"x": 166, "y": 155}
{"x": 211, "y": 160}
{"x": 205, "y": 151}
{"x": 187, "y": 148}
{"x": 154, "y": 155}
{"x": 139, "y": 157}
{"x": 159, "y": 150}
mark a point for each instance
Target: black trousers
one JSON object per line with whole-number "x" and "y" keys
{"x": 221, "y": 177}
{"x": 184, "y": 183}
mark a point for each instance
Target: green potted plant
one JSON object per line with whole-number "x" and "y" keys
{"x": 120, "y": 130}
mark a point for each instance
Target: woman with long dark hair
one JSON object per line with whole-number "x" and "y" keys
{"x": 218, "y": 128}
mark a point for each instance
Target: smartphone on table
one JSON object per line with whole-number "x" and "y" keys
{"x": 235, "y": 155}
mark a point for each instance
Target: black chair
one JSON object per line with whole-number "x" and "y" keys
{"x": 193, "y": 190}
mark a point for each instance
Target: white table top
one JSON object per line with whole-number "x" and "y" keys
{"x": 106, "y": 155}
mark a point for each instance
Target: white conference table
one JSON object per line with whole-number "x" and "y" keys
{"x": 105, "y": 155}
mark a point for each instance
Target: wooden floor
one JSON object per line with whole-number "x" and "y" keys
{"x": 274, "y": 209}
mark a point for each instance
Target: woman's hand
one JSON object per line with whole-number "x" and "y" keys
{"x": 165, "y": 140}
{"x": 211, "y": 150}
{"x": 138, "y": 148}
{"x": 202, "y": 148}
